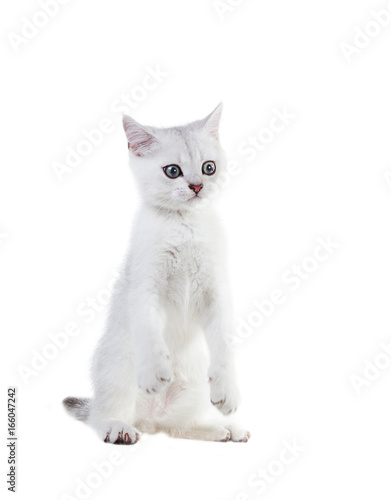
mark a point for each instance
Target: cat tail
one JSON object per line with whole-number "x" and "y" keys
{"x": 79, "y": 408}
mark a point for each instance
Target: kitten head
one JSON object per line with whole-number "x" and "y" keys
{"x": 176, "y": 168}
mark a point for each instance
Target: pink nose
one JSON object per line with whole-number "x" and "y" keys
{"x": 195, "y": 188}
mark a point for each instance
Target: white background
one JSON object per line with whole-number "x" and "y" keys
{"x": 323, "y": 176}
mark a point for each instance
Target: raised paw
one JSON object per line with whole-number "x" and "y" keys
{"x": 224, "y": 394}
{"x": 119, "y": 433}
{"x": 154, "y": 375}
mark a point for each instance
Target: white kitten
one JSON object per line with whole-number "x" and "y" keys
{"x": 150, "y": 370}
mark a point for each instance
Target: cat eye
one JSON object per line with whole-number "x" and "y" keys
{"x": 209, "y": 168}
{"x": 172, "y": 171}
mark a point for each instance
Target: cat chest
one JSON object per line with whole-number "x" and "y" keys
{"x": 186, "y": 270}
{"x": 183, "y": 261}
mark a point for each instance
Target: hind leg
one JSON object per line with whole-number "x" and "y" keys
{"x": 117, "y": 432}
{"x": 112, "y": 415}
{"x": 113, "y": 407}
{"x": 112, "y": 420}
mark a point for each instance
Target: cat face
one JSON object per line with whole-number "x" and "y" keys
{"x": 176, "y": 168}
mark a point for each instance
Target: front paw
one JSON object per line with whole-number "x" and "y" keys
{"x": 154, "y": 374}
{"x": 224, "y": 394}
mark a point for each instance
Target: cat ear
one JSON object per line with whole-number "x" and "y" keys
{"x": 140, "y": 141}
{"x": 211, "y": 122}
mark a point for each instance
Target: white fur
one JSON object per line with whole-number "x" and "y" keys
{"x": 150, "y": 370}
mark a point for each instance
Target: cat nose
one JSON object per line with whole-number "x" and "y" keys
{"x": 195, "y": 188}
